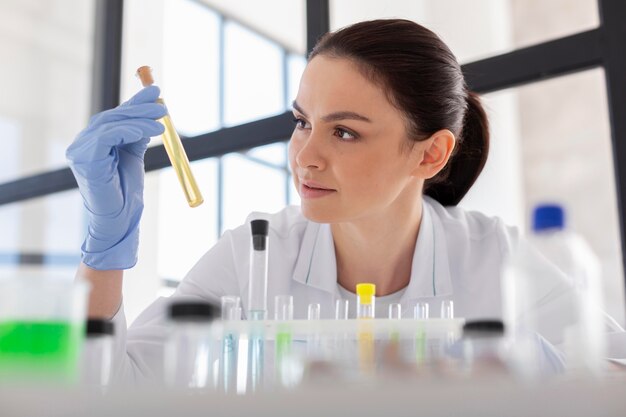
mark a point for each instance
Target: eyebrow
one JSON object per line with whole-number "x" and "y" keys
{"x": 333, "y": 117}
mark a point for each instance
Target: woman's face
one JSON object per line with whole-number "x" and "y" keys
{"x": 348, "y": 152}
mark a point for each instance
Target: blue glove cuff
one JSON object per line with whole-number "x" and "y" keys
{"x": 122, "y": 255}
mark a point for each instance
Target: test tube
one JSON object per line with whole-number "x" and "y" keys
{"x": 342, "y": 309}
{"x": 447, "y": 312}
{"x": 395, "y": 311}
{"x": 447, "y": 309}
{"x": 174, "y": 148}
{"x": 366, "y": 301}
{"x": 313, "y": 311}
{"x": 257, "y": 296}
{"x": 231, "y": 307}
{"x": 283, "y": 311}
{"x": 341, "y": 351}
{"x": 421, "y": 311}
{"x": 231, "y": 311}
{"x": 283, "y": 307}
{"x": 314, "y": 340}
{"x": 257, "y": 301}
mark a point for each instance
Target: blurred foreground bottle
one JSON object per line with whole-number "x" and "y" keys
{"x": 552, "y": 289}
{"x": 484, "y": 349}
{"x": 97, "y": 354}
{"x": 190, "y": 350}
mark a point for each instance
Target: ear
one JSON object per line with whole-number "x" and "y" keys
{"x": 435, "y": 152}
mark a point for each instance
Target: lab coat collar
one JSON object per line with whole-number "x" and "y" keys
{"x": 316, "y": 265}
{"x": 430, "y": 269}
{"x": 430, "y": 274}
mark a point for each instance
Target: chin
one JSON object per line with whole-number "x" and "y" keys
{"x": 318, "y": 215}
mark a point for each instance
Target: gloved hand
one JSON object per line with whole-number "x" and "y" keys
{"x": 107, "y": 161}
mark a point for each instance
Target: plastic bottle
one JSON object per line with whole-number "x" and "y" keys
{"x": 97, "y": 354}
{"x": 190, "y": 350}
{"x": 552, "y": 291}
{"x": 484, "y": 349}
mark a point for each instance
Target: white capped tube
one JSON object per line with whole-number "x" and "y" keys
{"x": 257, "y": 294}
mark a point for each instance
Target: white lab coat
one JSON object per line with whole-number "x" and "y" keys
{"x": 458, "y": 256}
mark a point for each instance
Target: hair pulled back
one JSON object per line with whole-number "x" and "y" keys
{"x": 423, "y": 79}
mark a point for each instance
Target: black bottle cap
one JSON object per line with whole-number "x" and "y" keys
{"x": 259, "y": 227}
{"x": 192, "y": 311}
{"x": 483, "y": 327}
{"x": 99, "y": 327}
{"x": 259, "y": 234}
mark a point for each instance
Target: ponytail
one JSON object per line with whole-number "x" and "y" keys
{"x": 468, "y": 160}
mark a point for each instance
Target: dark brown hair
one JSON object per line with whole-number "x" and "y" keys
{"x": 423, "y": 79}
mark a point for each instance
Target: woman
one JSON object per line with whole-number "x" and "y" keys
{"x": 387, "y": 140}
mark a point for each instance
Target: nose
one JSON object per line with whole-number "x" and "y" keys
{"x": 308, "y": 151}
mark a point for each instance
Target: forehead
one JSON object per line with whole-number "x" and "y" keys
{"x": 338, "y": 84}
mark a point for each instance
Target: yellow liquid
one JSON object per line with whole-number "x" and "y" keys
{"x": 366, "y": 347}
{"x": 180, "y": 162}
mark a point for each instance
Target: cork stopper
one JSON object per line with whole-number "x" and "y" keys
{"x": 145, "y": 75}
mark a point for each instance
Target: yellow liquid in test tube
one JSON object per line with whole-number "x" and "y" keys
{"x": 175, "y": 150}
{"x": 366, "y": 298}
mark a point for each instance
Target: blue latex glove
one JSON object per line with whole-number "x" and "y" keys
{"x": 107, "y": 161}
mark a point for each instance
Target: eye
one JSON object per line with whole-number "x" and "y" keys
{"x": 344, "y": 134}
{"x": 301, "y": 123}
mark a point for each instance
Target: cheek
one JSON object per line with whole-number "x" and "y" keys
{"x": 291, "y": 153}
{"x": 371, "y": 177}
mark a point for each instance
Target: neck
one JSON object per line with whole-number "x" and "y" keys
{"x": 378, "y": 249}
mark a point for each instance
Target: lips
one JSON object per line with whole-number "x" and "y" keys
{"x": 315, "y": 186}
{"x": 312, "y": 189}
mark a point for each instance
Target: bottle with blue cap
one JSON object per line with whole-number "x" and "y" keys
{"x": 552, "y": 293}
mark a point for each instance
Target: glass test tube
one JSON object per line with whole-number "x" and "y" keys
{"x": 257, "y": 301}
{"x": 313, "y": 311}
{"x": 314, "y": 340}
{"x": 395, "y": 311}
{"x": 447, "y": 309}
{"x": 341, "y": 351}
{"x": 283, "y": 311}
{"x": 447, "y": 312}
{"x": 342, "y": 309}
{"x": 421, "y": 312}
{"x": 283, "y": 307}
{"x": 366, "y": 301}
{"x": 231, "y": 311}
{"x": 257, "y": 296}
{"x": 174, "y": 149}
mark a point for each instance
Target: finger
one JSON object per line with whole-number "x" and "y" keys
{"x": 98, "y": 143}
{"x": 147, "y": 94}
{"x": 137, "y": 129}
{"x": 145, "y": 110}
{"x": 138, "y": 148}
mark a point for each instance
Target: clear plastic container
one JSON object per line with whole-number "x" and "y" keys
{"x": 97, "y": 354}
{"x": 191, "y": 349}
{"x": 552, "y": 291}
{"x": 42, "y": 326}
{"x": 484, "y": 349}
